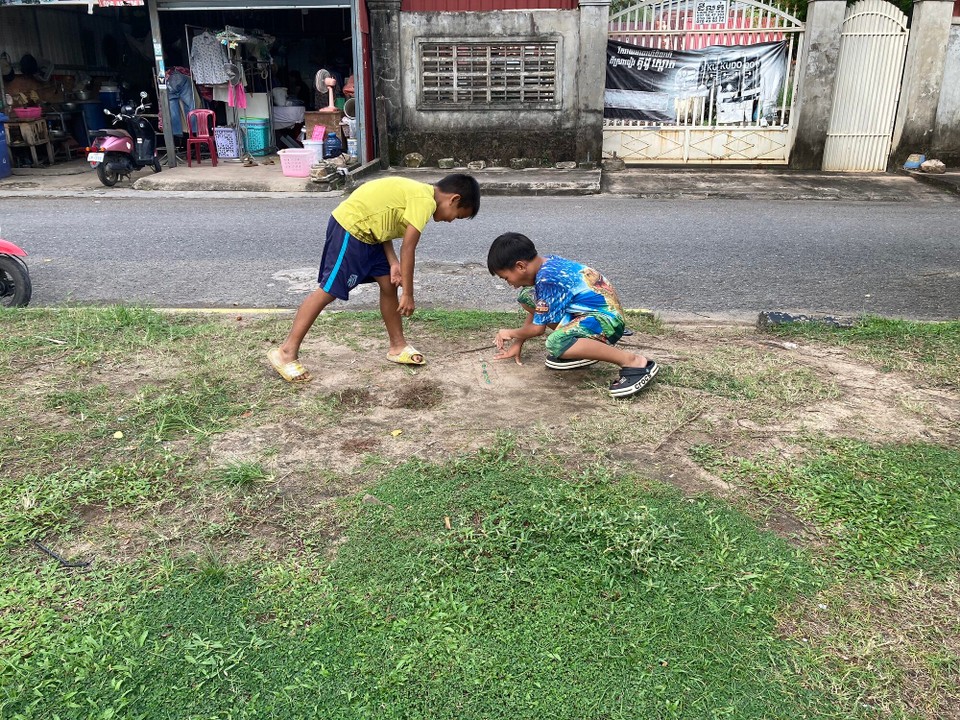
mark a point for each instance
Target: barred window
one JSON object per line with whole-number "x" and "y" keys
{"x": 494, "y": 75}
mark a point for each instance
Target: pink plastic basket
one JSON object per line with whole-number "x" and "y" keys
{"x": 28, "y": 113}
{"x": 296, "y": 162}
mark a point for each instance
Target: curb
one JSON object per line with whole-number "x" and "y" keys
{"x": 938, "y": 181}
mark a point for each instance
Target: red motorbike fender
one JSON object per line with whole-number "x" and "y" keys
{"x": 8, "y": 248}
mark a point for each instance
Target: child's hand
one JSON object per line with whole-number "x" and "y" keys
{"x": 407, "y": 305}
{"x": 511, "y": 352}
{"x": 395, "y": 277}
{"x": 503, "y": 337}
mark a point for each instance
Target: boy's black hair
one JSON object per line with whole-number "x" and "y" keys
{"x": 509, "y": 249}
{"x": 466, "y": 186}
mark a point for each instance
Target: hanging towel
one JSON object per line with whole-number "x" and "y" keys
{"x": 236, "y": 97}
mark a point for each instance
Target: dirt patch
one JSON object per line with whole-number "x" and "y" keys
{"x": 351, "y": 399}
{"x": 316, "y": 440}
{"x": 359, "y": 445}
{"x": 419, "y": 396}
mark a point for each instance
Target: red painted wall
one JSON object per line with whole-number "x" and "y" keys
{"x": 484, "y": 5}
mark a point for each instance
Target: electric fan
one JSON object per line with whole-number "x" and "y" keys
{"x": 324, "y": 81}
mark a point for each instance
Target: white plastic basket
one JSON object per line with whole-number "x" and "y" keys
{"x": 296, "y": 162}
{"x": 226, "y": 140}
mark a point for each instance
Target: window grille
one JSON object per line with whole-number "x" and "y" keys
{"x": 488, "y": 75}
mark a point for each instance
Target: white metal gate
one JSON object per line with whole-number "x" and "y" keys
{"x": 873, "y": 44}
{"x": 697, "y": 134}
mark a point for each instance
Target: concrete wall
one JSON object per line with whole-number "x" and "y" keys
{"x": 946, "y": 130}
{"x": 817, "y": 69}
{"x": 923, "y": 73}
{"x": 478, "y": 134}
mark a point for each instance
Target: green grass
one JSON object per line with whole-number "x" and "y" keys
{"x": 243, "y": 474}
{"x": 932, "y": 349}
{"x": 91, "y": 333}
{"x": 36, "y": 506}
{"x": 555, "y": 593}
{"x": 886, "y": 509}
{"x": 453, "y": 326}
{"x": 497, "y": 584}
{"x": 745, "y": 374}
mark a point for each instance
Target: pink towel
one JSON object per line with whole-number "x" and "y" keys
{"x": 236, "y": 97}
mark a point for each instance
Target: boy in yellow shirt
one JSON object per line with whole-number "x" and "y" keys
{"x": 359, "y": 249}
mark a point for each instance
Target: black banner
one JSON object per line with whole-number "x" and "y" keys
{"x": 720, "y": 84}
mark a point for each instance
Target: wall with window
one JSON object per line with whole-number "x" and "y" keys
{"x": 489, "y": 85}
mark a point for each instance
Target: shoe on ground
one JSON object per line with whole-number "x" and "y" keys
{"x": 555, "y": 363}
{"x": 633, "y": 380}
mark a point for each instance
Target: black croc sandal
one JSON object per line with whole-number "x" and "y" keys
{"x": 555, "y": 363}
{"x": 633, "y": 380}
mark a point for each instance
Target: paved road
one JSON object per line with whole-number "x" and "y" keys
{"x": 712, "y": 258}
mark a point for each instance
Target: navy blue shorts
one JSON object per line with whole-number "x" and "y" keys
{"x": 347, "y": 262}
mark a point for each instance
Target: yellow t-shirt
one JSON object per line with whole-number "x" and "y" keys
{"x": 380, "y": 210}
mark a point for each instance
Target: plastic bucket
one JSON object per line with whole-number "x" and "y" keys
{"x": 317, "y": 147}
{"x": 110, "y": 97}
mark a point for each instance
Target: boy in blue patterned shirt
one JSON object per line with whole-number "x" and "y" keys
{"x": 573, "y": 300}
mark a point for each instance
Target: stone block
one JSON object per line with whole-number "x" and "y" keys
{"x": 476, "y": 165}
{"x": 934, "y": 167}
{"x": 770, "y": 318}
{"x": 446, "y": 163}
{"x": 413, "y": 160}
{"x": 565, "y": 165}
{"x": 613, "y": 164}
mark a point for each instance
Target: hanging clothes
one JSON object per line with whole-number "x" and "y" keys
{"x": 236, "y": 96}
{"x": 207, "y": 57}
{"x": 179, "y": 95}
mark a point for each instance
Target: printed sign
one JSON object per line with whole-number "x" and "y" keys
{"x": 716, "y": 85}
{"x": 119, "y": 3}
{"x": 710, "y": 12}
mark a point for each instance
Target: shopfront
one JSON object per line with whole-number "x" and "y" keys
{"x": 254, "y": 64}
{"x": 257, "y": 65}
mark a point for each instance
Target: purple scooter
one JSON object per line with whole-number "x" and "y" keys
{"x": 117, "y": 152}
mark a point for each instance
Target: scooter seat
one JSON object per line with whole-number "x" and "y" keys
{"x": 110, "y": 133}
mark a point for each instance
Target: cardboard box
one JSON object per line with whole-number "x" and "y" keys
{"x": 329, "y": 119}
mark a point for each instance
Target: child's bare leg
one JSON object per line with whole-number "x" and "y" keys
{"x": 306, "y": 316}
{"x": 585, "y": 348}
{"x": 390, "y": 310}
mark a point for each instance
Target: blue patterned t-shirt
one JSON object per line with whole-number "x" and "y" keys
{"x": 565, "y": 289}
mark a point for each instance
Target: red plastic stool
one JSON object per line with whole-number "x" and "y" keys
{"x": 204, "y": 122}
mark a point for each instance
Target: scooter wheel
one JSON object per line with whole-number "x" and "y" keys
{"x": 107, "y": 177}
{"x": 15, "y": 287}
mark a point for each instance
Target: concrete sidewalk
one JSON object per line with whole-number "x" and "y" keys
{"x": 230, "y": 176}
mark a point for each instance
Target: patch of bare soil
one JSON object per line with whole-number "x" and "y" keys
{"x": 359, "y": 405}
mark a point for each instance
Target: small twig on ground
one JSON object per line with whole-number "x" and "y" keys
{"x": 36, "y": 363}
{"x": 63, "y": 561}
{"x": 476, "y": 349}
{"x": 55, "y": 342}
{"x": 686, "y": 422}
